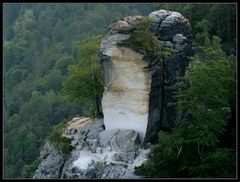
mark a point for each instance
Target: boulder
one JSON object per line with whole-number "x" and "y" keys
{"x": 119, "y": 140}
{"x": 105, "y": 137}
{"x": 127, "y": 140}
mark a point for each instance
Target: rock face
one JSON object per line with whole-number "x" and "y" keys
{"x": 174, "y": 32}
{"x": 137, "y": 92}
{"x": 51, "y": 164}
{"x": 98, "y": 153}
{"x": 135, "y": 104}
{"x": 125, "y": 101}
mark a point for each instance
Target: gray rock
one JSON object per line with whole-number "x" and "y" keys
{"x": 47, "y": 149}
{"x": 95, "y": 130}
{"x": 114, "y": 171}
{"x": 90, "y": 173}
{"x": 134, "y": 20}
{"x": 179, "y": 39}
{"x": 125, "y": 25}
{"x": 93, "y": 143}
{"x": 50, "y": 166}
{"x": 179, "y": 47}
{"x": 105, "y": 137}
{"x": 120, "y": 27}
{"x": 72, "y": 172}
{"x": 114, "y": 145}
{"x": 168, "y": 44}
{"x": 174, "y": 32}
{"x": 99, "y": 150}
{"x": 121, "y": 156}
{"x": 119, "y": 140}
{"x": 70, "y": 137}
{"x": 131, "y": 156}
{"x": 74, "y": 142}
{"x": 127, "y": 140}
{"x": 73, "y": 131}
{"x": 158, "y": 17}
{"x": 108, "y": 45}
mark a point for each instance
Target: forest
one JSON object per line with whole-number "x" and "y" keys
{"x": 51, "y": 73}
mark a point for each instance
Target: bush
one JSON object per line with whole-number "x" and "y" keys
{"x": 63, "y": 144}
{"x": 144, "y": 41}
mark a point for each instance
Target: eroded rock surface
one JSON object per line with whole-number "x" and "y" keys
{"x": 125, "y": 101}
{"x": 137, "y": 92}
{"x": 174, "y": 32}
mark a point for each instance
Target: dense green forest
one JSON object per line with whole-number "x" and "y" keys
{"x": 49, "y": 50}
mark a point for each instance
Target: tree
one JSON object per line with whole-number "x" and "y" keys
{"x": 29, "y": 170}
{"x": 203, "y": 36}
{"x": 192, "y": 148}
{"x": 83, "y": 82}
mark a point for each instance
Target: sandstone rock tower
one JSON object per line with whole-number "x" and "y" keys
{"x": 136, "y": 93}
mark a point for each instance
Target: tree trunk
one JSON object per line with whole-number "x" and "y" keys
{"x": 98, "y": 106}
{"x": 228, "y": 19}
{"x": 94, "y": 108}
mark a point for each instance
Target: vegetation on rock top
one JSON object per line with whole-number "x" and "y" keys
{"x": 62, "y": 144}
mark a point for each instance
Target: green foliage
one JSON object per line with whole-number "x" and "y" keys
{"x": 29, "y": 170}
{"x": 222, "y": 159}
{"x": 83, "y": 81}
{"x": 204, "y": 27}
{"x": 163, "y": 158}
{"x": 62, "y": 143}
{"x": 192, "y": 148}
{"x": 144, "y": 41}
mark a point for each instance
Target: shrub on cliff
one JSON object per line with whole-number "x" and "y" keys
{"x": 61, "y": 143}
{"x": 143, "y": 40}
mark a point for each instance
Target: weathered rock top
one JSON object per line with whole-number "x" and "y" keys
{"x": 125, "y": 103}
